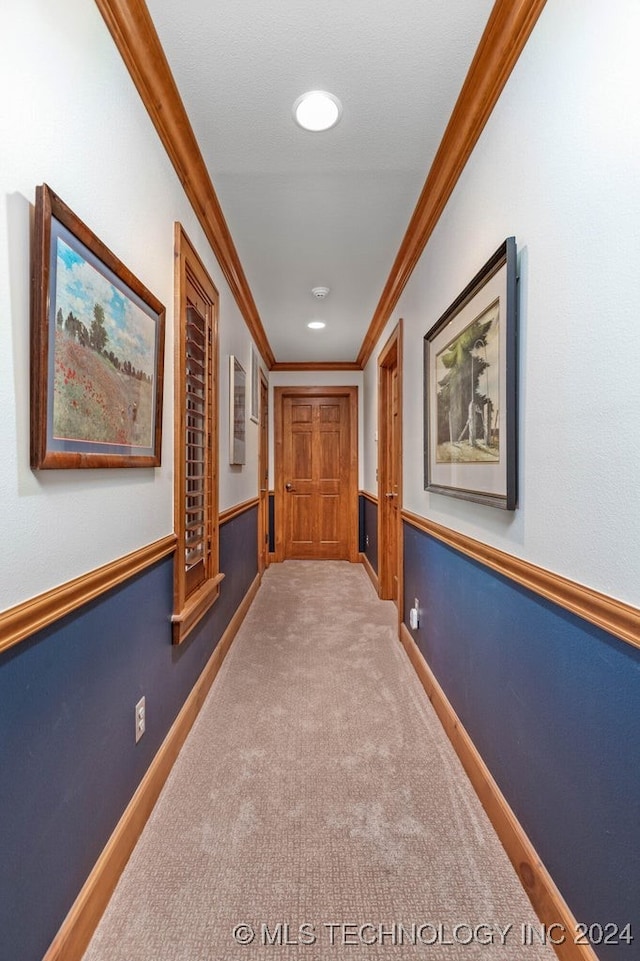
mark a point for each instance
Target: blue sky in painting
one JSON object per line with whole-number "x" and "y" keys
{"x": 79, "y": 287}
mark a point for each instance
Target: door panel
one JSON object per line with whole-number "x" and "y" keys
{"x": 301, "y": 522}
{"x": 329, "y": 454}
{"x": 329, "y": 520}
{"x": 318, "y": 501}
{"x": 301, "y": 454}
{"x": 329, "y": 414}
{"x": 301, "y": 414}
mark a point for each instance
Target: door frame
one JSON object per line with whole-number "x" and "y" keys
{"x": 390, "y": 358}
{"x": 263, "y": 474}
{"x": 279, "y": 393}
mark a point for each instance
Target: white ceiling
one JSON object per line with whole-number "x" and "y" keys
{"x": 318, "y": 209}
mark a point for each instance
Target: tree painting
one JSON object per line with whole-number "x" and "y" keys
{"x": 467, "y": 376}
{"x": 103, "y": 389}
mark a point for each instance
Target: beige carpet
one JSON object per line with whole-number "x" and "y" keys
{"x": 317, "y": 801}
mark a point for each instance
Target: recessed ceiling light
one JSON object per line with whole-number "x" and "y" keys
{"x": 316, "y": 324}
{"x": 317, "y": 110}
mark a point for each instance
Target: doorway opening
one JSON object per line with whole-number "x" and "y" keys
{"x": 390, "y": 468}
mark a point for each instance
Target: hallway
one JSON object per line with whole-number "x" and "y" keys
{"x": 317, "y": 809}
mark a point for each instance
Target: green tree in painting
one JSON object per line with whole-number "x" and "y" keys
{"x": 456, "y": 388}
{"x": 98, "y": 336}
{"x": 59, "y": 318}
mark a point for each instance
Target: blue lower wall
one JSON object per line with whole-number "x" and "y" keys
{"x": 369, "y": 530}
{"x": 552, "y": 704}
{"x": 272, "y": 523}
{"x": 69, "y": 764}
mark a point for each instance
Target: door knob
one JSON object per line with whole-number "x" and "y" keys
{"x": 289, "y": 487}
{"x": 390, "y": 495}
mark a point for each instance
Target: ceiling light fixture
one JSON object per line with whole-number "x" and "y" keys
{"x": 317, "y": 110}
{"x": 316, "y": 324}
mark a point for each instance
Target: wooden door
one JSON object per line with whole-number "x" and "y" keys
{"x": 317, "y": 474}
{"x": 391, "y": 493}
{"x": 263, "y": 476}
{"x": 390, "y": 468}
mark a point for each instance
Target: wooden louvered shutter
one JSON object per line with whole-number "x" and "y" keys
{"x": 197, "y": 449}
{"x": 196, "y": 575}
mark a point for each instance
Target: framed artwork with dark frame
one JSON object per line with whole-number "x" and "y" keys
{"x": 237, "y": 411}
{"x": 254, "y": 406}
{"x": 97, "y": 350}
{"x": 470, "y": 389}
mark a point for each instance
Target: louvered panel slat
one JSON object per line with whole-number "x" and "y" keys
{"x": 197, "y": 386}
{"x": 194, "y": 526}
{"x": 196, "y": 363}
{"x": 193, "y": 557}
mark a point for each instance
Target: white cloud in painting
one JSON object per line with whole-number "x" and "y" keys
{"x": 80, "y": 286}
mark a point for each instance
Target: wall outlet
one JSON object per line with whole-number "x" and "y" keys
{"x": 141, "y": 718}
{"x": 414, "y": 615}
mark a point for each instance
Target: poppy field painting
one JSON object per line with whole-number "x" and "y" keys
{"x": 97, "y": 346}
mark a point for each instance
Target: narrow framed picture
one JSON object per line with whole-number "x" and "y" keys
{"x": 237, "y": 411}
{"x": 97, "y": 350}
{"x": 254, "y": 406}
{"x": 470, "y": 389}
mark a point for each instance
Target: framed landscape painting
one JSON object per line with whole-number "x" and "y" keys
{"x": 237, "y": 411}
{"x": 470, "y": 389}
{"x": 97, "y": 349}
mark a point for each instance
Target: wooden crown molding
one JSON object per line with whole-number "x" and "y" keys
{"x": 616, "y": 617}
{"x": 316, "y": 365}
{"x": 504, "y": 38}
{"x": 502, "y": 42}
{"x": 20, "y": 622}
{"x": 134, "y": 33}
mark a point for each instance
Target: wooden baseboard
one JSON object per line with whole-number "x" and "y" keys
{"x": 77, "y": 929}
{"x": 545, "y": 897}
{"x": 366, "y": 563}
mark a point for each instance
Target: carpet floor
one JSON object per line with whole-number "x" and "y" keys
{"x": 317, "y": 811}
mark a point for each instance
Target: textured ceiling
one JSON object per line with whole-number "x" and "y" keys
{"x": 329, "y": 208}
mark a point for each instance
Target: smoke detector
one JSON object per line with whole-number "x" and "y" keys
{"x": 320, "y": 292}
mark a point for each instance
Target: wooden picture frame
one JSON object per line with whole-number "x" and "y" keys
{"x": 237, "y": 412}
{"x": 470, "y": 389}
{"x": 97, "y": 350}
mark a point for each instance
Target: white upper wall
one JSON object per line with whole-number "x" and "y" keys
{"x": 556, "y": 166}
{"x": 71, "y": 117}
{"x": 238, "y": 483}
